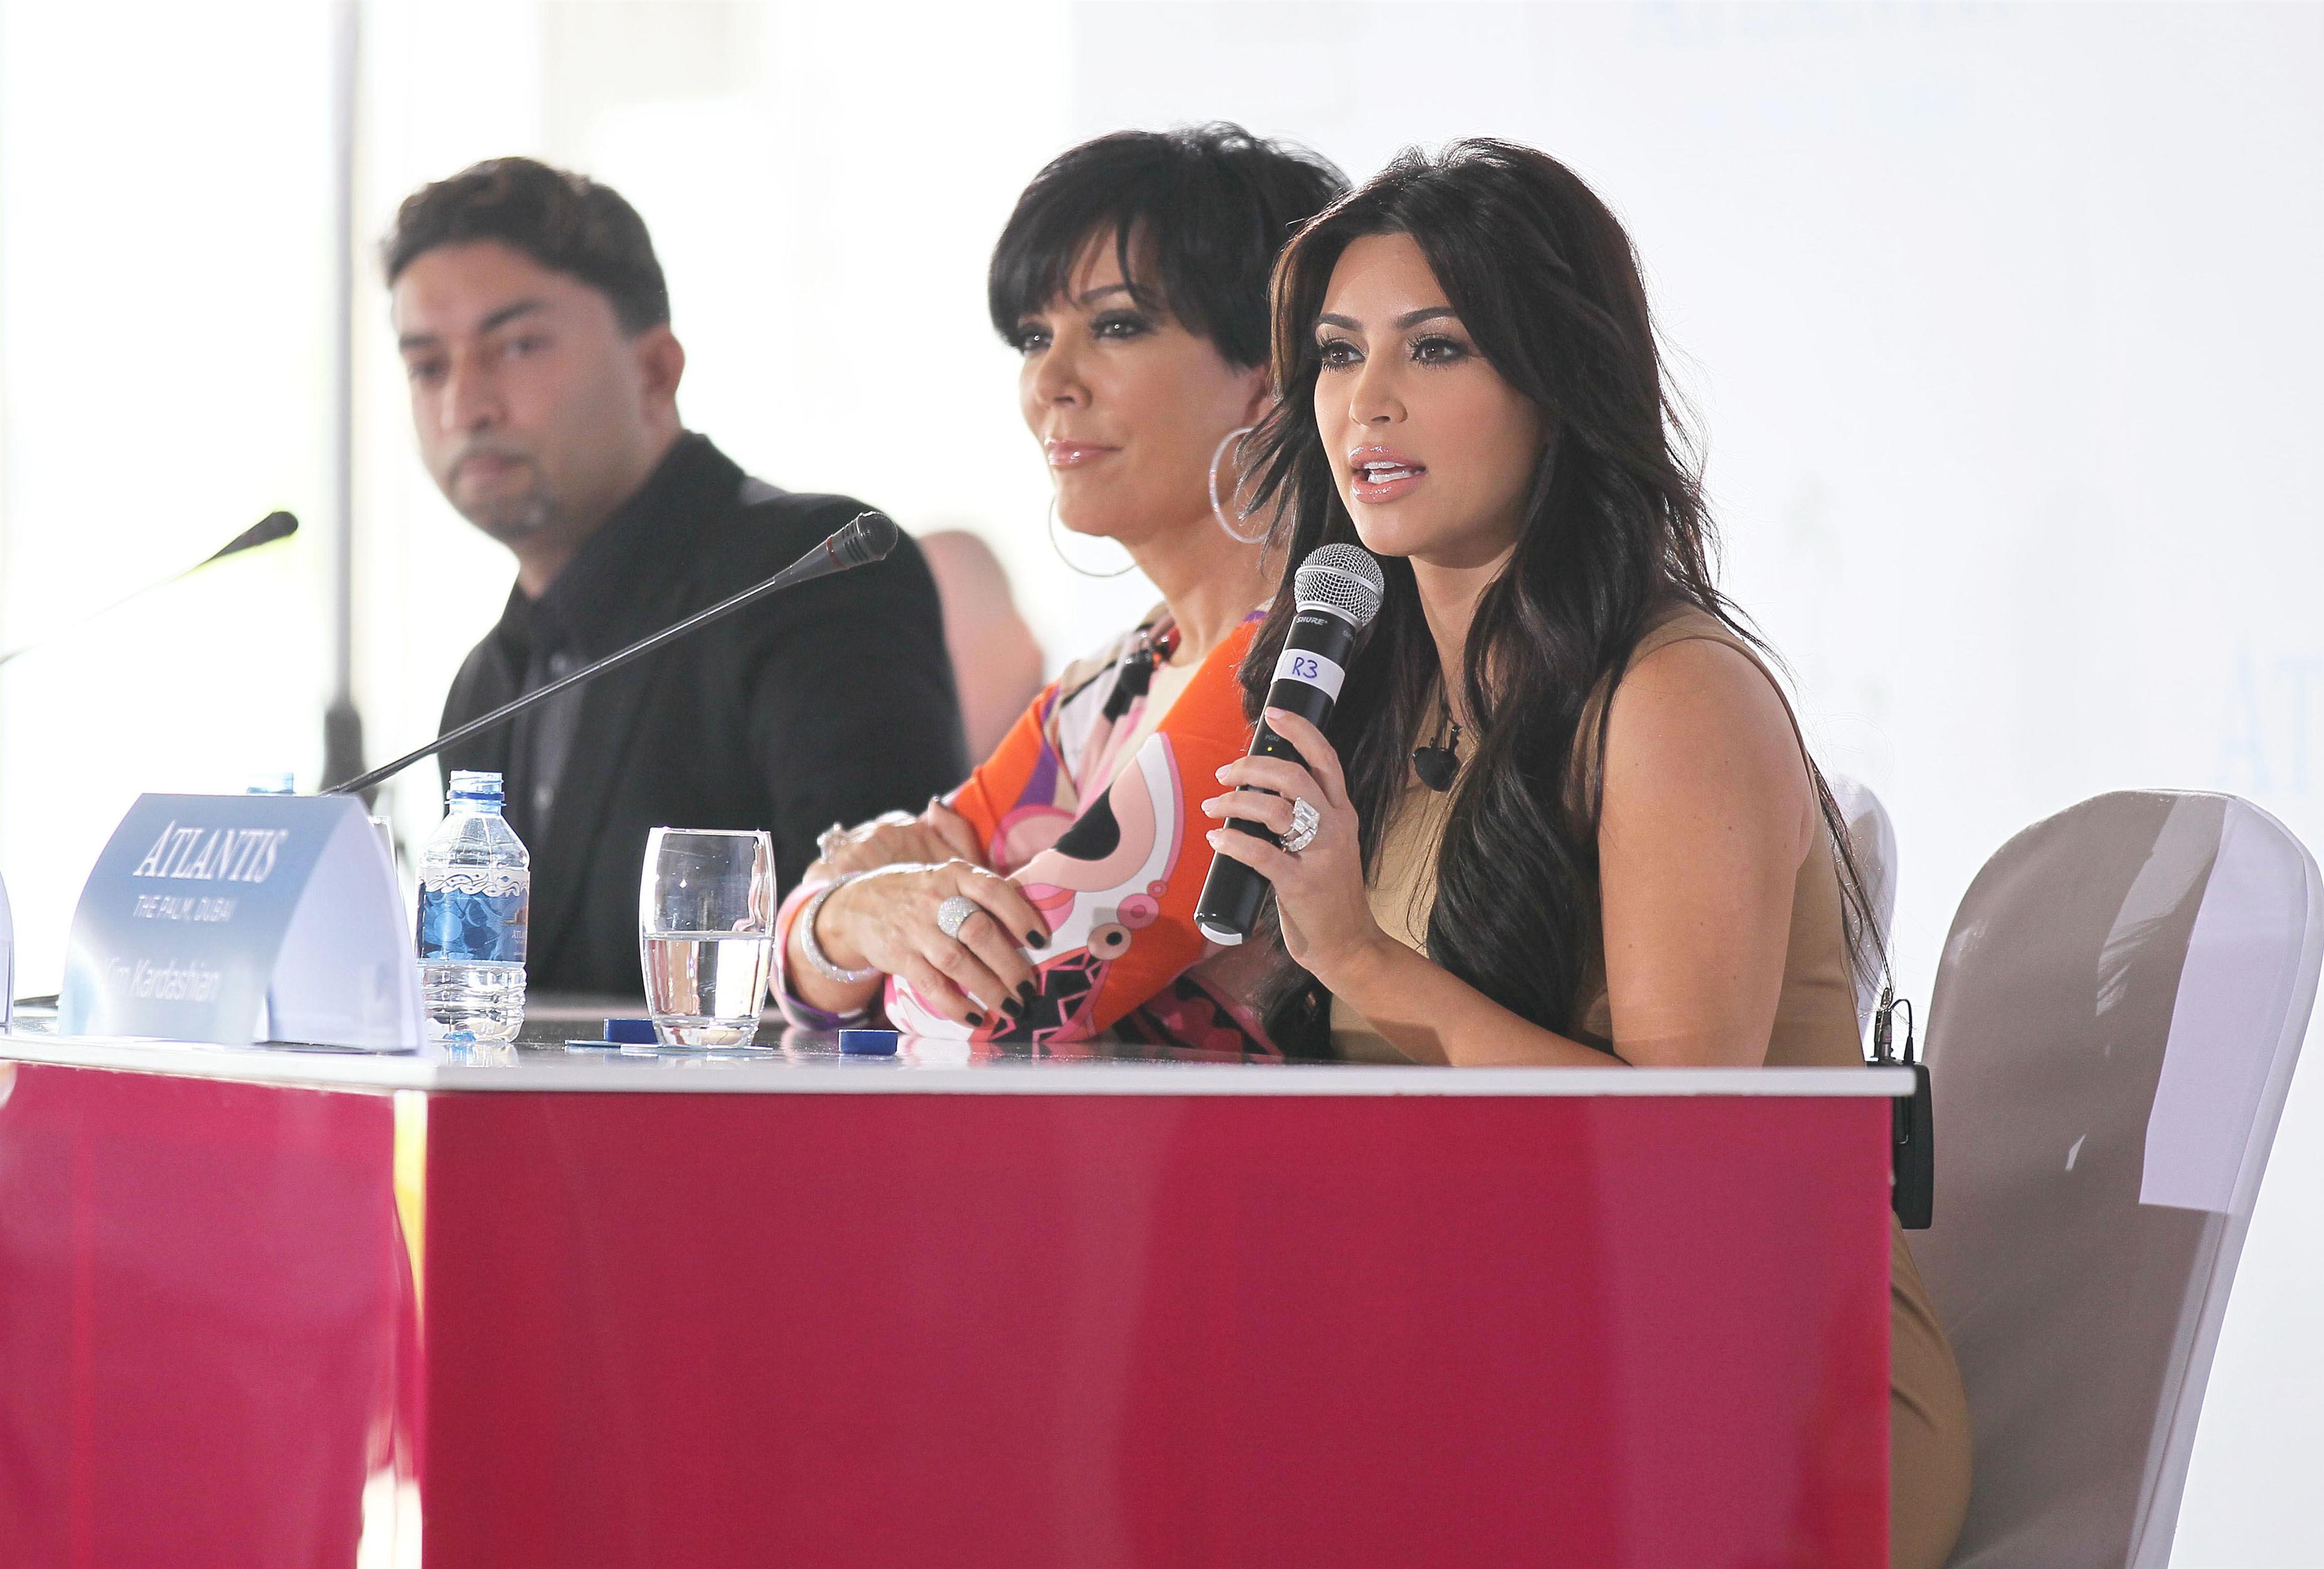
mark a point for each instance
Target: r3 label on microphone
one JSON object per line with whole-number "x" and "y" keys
{"x": 1310, "y": 669}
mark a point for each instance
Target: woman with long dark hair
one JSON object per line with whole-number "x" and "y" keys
{"x": 1562, "y": 815}
{"x": 1051, "y": 896}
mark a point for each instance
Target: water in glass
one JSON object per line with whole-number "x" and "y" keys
{"x": 706, "y": 934}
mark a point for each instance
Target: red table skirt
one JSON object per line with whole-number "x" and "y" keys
{"x": 243, "y": 1325}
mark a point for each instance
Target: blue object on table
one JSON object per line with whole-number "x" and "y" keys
{"x": 630, "y": 1031}
{"x": 593, "y": 1046}
{"x": 868, "y": 1042}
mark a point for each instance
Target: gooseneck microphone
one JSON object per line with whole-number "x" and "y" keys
{"x": 1335, "y": 593}
{"x": 273, "y": 526}
{"x": 867, "y": 538}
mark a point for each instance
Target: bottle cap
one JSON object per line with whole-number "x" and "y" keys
{"x": 475, "y": 785}
{"x": 868, "y": 1042}
{"x": 630, "y": 1031}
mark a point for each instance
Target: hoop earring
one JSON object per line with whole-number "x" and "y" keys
{"x": 1069, "y": 560}
{"x": 1218, "y": 507}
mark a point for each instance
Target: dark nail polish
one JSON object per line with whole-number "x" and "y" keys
{"x": 1035, "y": 940}
{"x": 976, "y": 1021}
{"x": 1027, "y": 991}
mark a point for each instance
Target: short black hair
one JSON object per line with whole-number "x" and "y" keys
{"x": 567, "y": 222}
{"x": 1216, "y": 203}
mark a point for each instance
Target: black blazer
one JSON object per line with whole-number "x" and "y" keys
{"x": 829, "y": 702}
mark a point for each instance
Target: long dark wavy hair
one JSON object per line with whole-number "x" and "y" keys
{"x": 1544, "y": 277}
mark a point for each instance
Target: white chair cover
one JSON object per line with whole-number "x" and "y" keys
{"x": 2116, "y": 1017}
{"x": 1872, "y": 842}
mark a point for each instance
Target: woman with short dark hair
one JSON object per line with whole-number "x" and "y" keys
{"x": 1052, "y": 896}
{"x": 1562, "y": 815}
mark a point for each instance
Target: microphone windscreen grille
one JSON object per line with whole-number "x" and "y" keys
{"x": 866, "y": 539}
{"x": 273, "y": 526}
{"x": 1341, "y": 578}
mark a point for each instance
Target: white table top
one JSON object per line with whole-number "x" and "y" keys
{"x": 812, "y": 1065}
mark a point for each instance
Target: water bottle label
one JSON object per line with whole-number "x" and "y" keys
{"x": 482, "y": 927}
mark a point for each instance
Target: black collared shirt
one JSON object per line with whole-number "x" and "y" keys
{"x": 830, "y": 702}
{"x": 548, "y": 639}
{"x": 538, "y": 643}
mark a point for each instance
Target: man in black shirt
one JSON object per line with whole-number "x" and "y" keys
{"x": 534, "y": 326}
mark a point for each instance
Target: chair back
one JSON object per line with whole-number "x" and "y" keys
{"x": 2116, "y": 1016}
{"x": 1872, "y": 843}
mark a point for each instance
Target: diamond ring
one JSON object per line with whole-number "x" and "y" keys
{"x": 1305, "y": 821}
{"x": 953, "y": 913}
{"x": 831, "y": 841}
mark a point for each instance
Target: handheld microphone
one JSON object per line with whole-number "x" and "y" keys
{"x": 1336, "y": 592}
{"x": 865, "y": 539}
{"x": 273, "y": 526}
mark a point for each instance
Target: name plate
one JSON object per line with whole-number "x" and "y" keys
{"x": 240, "y": 919}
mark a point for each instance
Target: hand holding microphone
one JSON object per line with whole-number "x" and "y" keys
{"x": 1288, "y": 821}
{"x": 1320, "y": 900}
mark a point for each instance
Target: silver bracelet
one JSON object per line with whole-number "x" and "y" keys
{"x": 814, "y": 950}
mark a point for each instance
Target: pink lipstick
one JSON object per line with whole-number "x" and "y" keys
{"x": 1074, "y": 454}
{"x": 1379, "y": 474}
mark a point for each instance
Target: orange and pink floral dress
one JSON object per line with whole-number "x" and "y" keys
{"x": 1091, "y": 803}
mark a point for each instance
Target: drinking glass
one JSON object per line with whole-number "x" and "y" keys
{"x": 706, "y": 934}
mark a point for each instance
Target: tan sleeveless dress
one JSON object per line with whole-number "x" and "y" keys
{"x": 1815, "y": 1027}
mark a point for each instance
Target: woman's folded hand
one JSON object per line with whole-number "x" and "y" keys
{"x": 892, "y": 838}
{"x": 887, "y": 919}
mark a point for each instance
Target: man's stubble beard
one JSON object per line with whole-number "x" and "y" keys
{"x": 510, "y": 520}
{"x": 514, "y": 520}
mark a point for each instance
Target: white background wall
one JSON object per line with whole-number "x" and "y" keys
{"x": 2002, "y": 323}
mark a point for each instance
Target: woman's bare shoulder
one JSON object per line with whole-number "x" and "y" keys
{"x": 1698, "y": 719}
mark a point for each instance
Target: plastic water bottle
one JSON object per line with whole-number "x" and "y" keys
{"x": 475, "y": 892}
